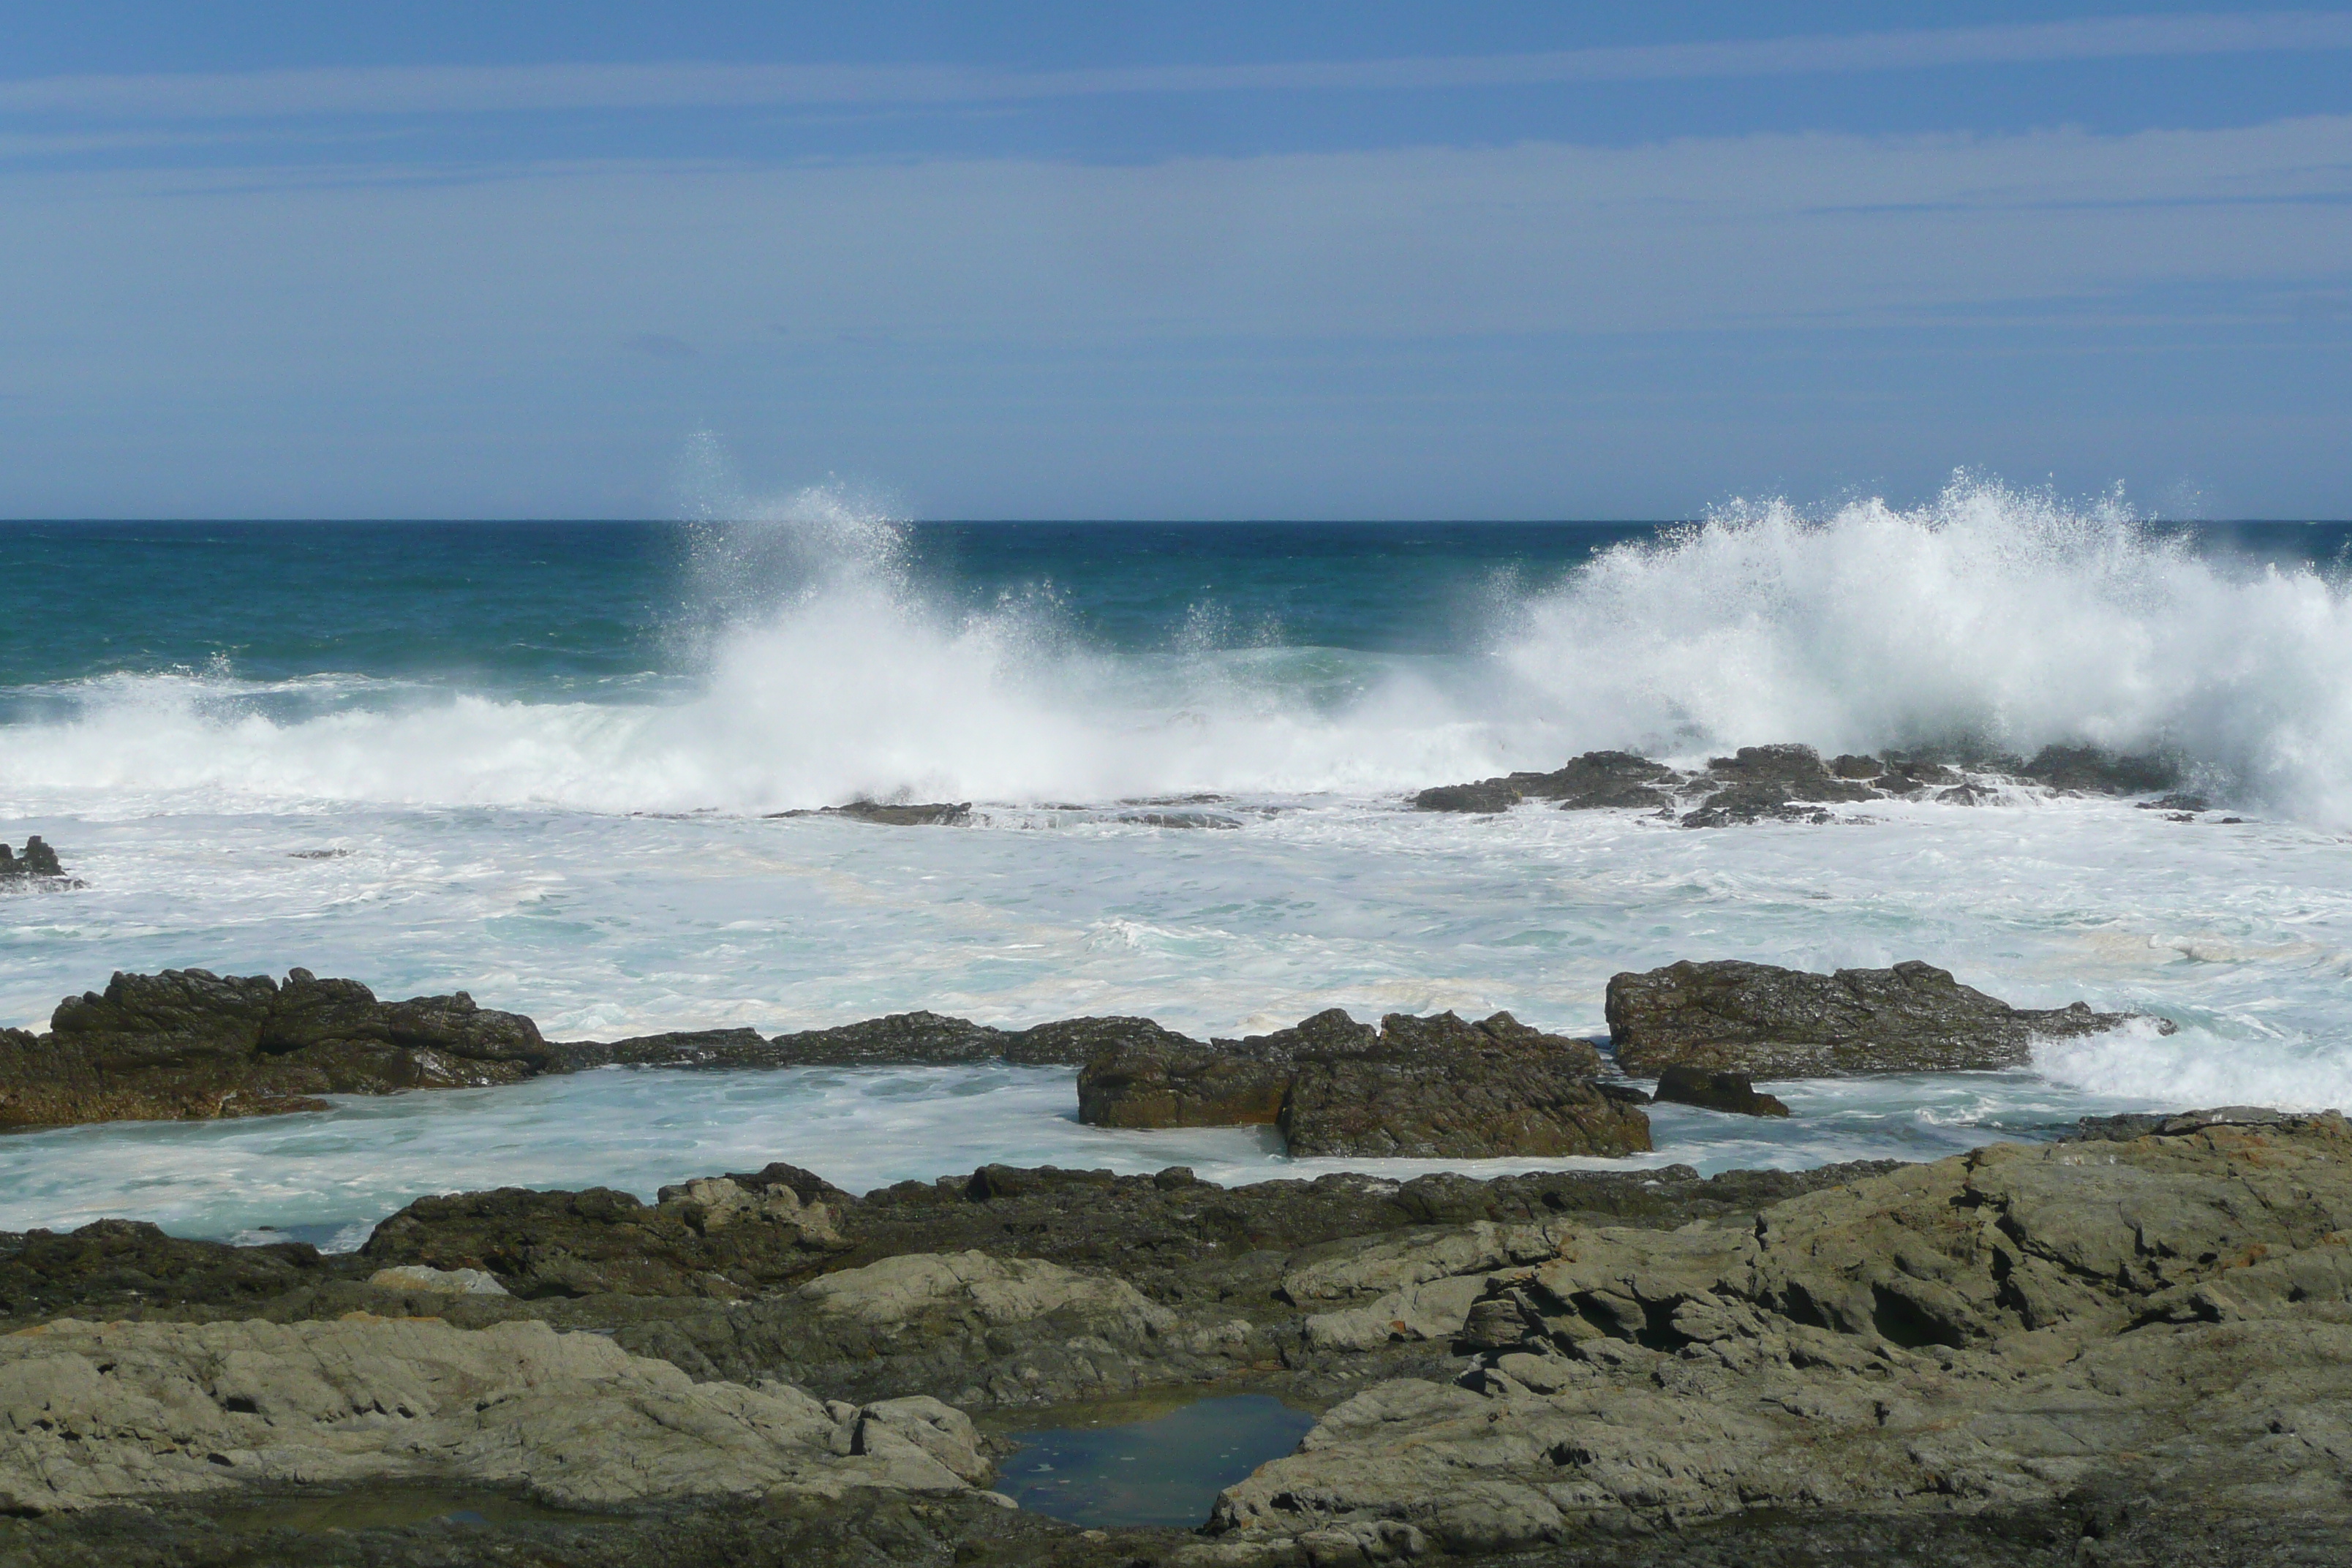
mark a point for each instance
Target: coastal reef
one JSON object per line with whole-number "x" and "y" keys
{"x": 1433, "y": 1088}
{"x": 189, "y": 1044}
{"x": 2130, "y": 1346}
{"x": 1791, "y": 782}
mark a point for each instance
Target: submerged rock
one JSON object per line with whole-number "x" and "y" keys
{"x": 1758, "y": 1018}
{"x": 1728, "y": 1092}
{"x": 1427, "y": 1088}
{"x": 188, "y": 1043}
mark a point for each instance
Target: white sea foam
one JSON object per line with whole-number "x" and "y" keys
{"x": 824, "y": 676}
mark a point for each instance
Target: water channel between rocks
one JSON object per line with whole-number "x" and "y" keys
{"x": 1138, "y": 1463}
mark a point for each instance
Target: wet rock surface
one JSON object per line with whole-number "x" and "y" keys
{"x": 1734, "y": 1093}
{"x": 1421, "y": 1087}
{"x": 1791, "y": 783}
{"x": 1775, "y": 1023}
{"x": 35, "y": 866}
{"x": 192, "y": 1044}
{"x": 2137, "y": 1348}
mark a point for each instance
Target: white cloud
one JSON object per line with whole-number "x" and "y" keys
{"x": 457, "y": 89}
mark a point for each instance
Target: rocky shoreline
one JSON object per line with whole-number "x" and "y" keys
{"x": 2131, "y": 1346}
{"x": 1793, "y": 783}
{"x": 192, "y": 1044}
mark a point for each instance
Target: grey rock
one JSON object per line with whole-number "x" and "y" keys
{"x": 1494, "y": 796}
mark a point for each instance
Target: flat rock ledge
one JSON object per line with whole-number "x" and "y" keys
{"x": 1791, "y": 782}
{"x": 100, "y": 1413}
{"x": 1729, "y": 1015}
{"x": 1416, "y": 1087}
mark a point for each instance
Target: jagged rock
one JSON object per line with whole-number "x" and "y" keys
{"x": 191, "y": 1043}
{"x": 1775, "y": 1023}
{"x": 1730, "y": 1091}
{"x": 1778, "y": 783}
{"x": 1430, "y": 1087}
{"x": 120, "y": 1412}
{"x": 37, "y": 867}
{"x": 1999, "y": 1329}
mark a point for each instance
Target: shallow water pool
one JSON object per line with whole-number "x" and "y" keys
{"x": 1165, "y": 1471}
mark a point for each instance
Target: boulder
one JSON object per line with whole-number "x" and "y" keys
{"x": 1730, "y": 1091}
{"x": 36, "y": 866}
{"x": 192, "y": 1044}
{"x": 1435, "y": 1088}
{"x": 1770, "y": 1022}
{"x": 1595, "y": 781}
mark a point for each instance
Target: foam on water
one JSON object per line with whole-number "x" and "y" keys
{"x": 824, "y": 674}
{"x": 493, "y": 841}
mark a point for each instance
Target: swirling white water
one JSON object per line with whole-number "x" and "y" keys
{"x": 492, "y": 840}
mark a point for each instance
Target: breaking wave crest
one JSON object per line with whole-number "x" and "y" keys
{"x": 821, "y": 672}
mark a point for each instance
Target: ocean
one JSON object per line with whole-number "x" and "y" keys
{"x": 542, "y": 762}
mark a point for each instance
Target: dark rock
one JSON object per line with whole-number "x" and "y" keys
{"x": 682, "y": 1049}
{"x": 37, "y": 865}
{"x": 1595, "y": 781}
{"x": 1430, "y": 1087}
{"x": 1186, "y": 1084}
{"x": 1748, "y": 804}
{"x": 2094, "y": 770}
{"x": 1074, "y": 1042}
{"x": 1966, "y": 794}
{"x": 1181, "y": 819}
{"x": 919, "y": 1039}
{"x": 1730, "y": 1091}
{"x": 1603, "y": 779}
{"x": 2176, "y": 802}
{"x": 1492, "y": 796}
{"x": 111, "y": 1264}
{"x": 1778, "y": 1023}
{"x": 192, "y": 1044}
{"x": 1850, "y": 766}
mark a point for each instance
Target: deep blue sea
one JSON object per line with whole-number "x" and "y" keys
{"x": 542, "y": 762}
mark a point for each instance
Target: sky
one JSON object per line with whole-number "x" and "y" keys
{"x": 1273, "y": 260}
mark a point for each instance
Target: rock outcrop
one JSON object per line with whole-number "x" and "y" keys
{"x": 899, "y": 1039}
{"x": 99, "y": 1413}
{"x": 2133, "y": 1348}
{"x": 35, "y": 868}
{"x": 1728, "y": 1092}
{"x": 1433, "y": 1088}
{"x": 1775, "y": 1023}
{"x": 2168, "y": 1315}
{"x": 1791, "y": 782}
{"x": 188, "y": 1043}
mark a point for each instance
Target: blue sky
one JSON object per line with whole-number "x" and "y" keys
{"x": 1048, "y": 261}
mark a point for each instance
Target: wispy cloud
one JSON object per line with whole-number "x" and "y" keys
{"x": 475, "y": 90}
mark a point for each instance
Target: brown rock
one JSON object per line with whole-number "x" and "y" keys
{"x": 1771, "y": 1022}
